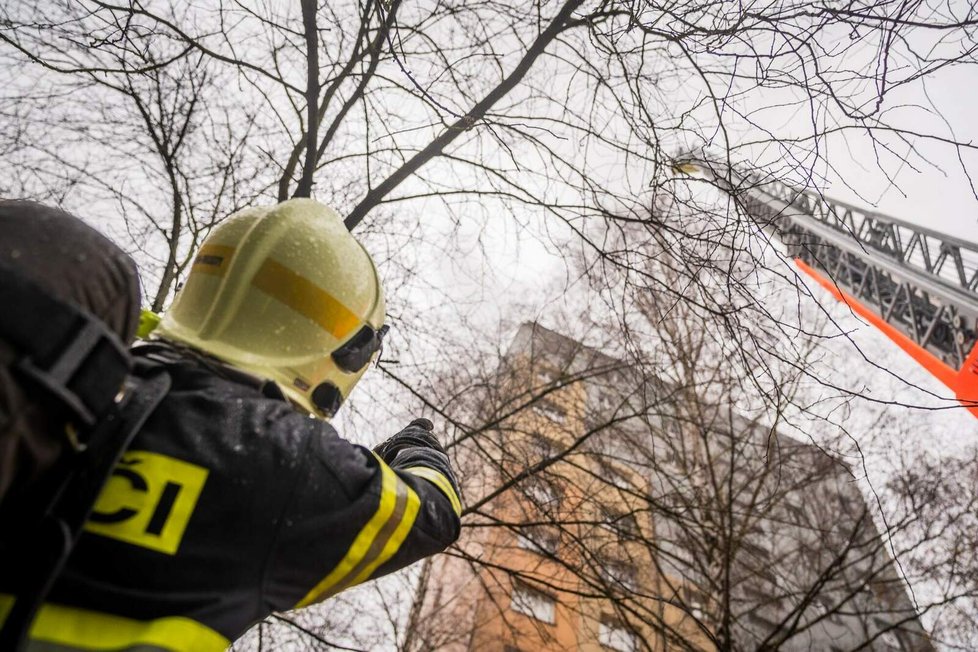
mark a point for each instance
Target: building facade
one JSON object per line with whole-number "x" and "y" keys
{"x": 613, "y": 511}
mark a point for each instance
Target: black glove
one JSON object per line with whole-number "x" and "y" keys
{"x": 417, "y": 434}
{"x": 416, "y": 446}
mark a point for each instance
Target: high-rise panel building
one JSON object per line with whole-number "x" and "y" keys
{"x": 615, "y": 511}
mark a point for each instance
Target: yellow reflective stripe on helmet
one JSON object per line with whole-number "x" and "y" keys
{"x": 306, "y": 298}
{"x": 439, "y": 480}
{"x": 377, "y": 542}
{"x": 92, "y": 630}
{"x": 213, "y": 259}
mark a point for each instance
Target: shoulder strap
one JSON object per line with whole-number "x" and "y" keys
{"x": 41, "y": 554}
{"x": 68, "y": 352}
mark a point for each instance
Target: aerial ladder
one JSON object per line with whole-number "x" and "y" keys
{"x": 916, "y": 285}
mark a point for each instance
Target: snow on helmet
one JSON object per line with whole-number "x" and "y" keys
{"x": 288, "y": 294}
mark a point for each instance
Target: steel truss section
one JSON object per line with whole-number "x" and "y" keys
{"x": 917, "y": 285}
{"x": 918, "y": 281}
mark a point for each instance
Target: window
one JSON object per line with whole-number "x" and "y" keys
{"x": 607, "y": 404}
{"x": 693, "y": 601}
{"x": 547, "y": 376}
{"x": 623, "y": 525}
{"x": 535, "y": 604}
{"x": 755, "y": 551}
{"x": 540, "y": 447}
{"x": 620, "y": 575}
{"x": 616, "y": 636}
{"x": 538, "y": 539}
{"x": 542, "y": 493}
{"x": 671, "y": 552}
{"x": 888, "y": 638}
{"x": 889, "y": 641}
{"x": 615, "y": 477}
{"x": 798, "y": 513}
{"x": 550, "y": 411}
{"x": 671, "y": 427}
{"x": 664, "y": 453}
{"x": 605, "y": 401}
{"x": 821, "y": 606}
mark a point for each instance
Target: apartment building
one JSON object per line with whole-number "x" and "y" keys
{"x": 617, "y": 512}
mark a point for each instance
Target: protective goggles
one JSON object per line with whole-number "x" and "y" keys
{"x": 351, "y": 358}
{"x": 357, "y": 352}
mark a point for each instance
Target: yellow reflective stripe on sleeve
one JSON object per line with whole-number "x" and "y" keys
{"x": 439, "y": 480}
{"x": 6, "y": 604}
{"x": 92, "y": 630}
{"x": 376, "y": 542}
{"x": 394, "y": 534}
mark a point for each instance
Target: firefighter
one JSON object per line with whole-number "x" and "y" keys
{"x": 237, "y": 498}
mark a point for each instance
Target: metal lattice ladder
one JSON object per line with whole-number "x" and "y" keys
{"x": 919, "y": 286}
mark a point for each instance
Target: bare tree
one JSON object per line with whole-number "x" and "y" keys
{"x": 614, "y": 496}
{"x": 426, "y": 121}
{"x": 658, "y": 494}
{"x": 132, "y": 128}
{"x": 568, "y": 110}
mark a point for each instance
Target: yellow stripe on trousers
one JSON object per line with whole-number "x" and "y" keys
{"x": 92, "y": 630}
{"x": 377, "y": 542}
{"x": 439, "y": 480}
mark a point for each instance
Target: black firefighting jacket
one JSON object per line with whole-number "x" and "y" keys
{"x": 229, "y": 505}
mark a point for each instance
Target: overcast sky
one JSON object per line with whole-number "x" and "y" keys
{"x": 942, "y": 199}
